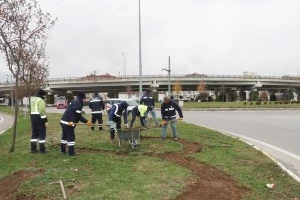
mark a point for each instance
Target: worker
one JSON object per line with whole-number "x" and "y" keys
{"x": 39, "y": 122}
{"x": 168, "y": 114}
{"x": 139, "y": 111}
{"x": 148, "y": 100}
{"x": 114, "y": 121}
{"x": 68, "y": 122}
{"x": 97, "y": 106}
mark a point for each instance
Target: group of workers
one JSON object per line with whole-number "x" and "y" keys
{"x": 73, "y": 114}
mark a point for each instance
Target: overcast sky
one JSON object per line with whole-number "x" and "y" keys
{"x": 202, "y": 36}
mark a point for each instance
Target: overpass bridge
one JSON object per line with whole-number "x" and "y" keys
{"x": 189, "y": 82}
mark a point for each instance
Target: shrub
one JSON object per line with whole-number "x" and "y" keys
{"x": 245, "y": 103}
{"x": 251, "y": 103}
{"x": 265, "y": 102}
{"x": 258, "y": 102}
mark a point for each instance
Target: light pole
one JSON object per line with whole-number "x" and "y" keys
{"x": 124, "y": 64}
{"x": 169, "y": 72}
{"x": 140, "y": 54}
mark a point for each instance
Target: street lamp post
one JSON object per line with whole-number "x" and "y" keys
{"x": 124, "y": 64}
{"x": 140, "y": 53}
{"x": 169, "y": 72}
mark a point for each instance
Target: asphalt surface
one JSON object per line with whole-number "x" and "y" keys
{"x": 276, "y": 133}
{"x": 6, "y": 121}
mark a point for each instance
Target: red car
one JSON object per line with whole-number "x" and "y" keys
{"x": 61, "y": 103}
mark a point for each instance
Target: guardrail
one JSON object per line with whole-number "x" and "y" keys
{"x": 174, "y": 76}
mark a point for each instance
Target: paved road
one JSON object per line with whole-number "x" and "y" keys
{"x": 275, "y": 132}
{"x": 6, "y": 121}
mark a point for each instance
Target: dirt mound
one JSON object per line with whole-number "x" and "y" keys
{"x": 10, "y": 184}
{"x": 207, "y": 182}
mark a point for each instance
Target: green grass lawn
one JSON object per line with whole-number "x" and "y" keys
{"x": 279, "y": 104}
{"x": 105, "y": 171}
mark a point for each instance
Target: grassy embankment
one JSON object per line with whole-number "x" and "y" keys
{"x": 105, "y": 171}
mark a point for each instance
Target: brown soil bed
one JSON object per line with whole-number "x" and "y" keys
{"x": 10, "y": 184}
{"x": 207, "y": 182}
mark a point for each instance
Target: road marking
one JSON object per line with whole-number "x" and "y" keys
{"x": 1, "y": 120}
{"x": 268, "y": 145}
{"x": 297, "y": 178}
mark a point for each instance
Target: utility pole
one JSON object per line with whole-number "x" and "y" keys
{"x": 169, "y": 72}
{"x": 124, "y": 64}
{"x": 140, "y": 54}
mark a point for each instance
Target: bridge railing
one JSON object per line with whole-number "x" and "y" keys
{"x": 174, "y": 76}
{"x": 163, "y": 76}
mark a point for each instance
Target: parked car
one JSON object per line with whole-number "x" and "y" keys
{"x": 131, "y": 104}
{"x": 2, "y": 100}
{"x": 61, "y": 102}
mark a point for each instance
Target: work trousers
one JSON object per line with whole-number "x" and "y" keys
{"x": 38, "y": 135}
{"x": 164, "y": 128}
{"x": 153, "y": 114}
{"x": 68, "y": 138}
{"x": 114, "y": 126}
{"x": 97, "y": 117}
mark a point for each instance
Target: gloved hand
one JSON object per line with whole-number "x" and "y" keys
{"x": 89, "y": 123}
{"x": 164, "y": 122}
{"x": 126, "y": 125}
{"x": 180, "y": 119}
{"x": 46, "y": 124}
{"x": 70, "y": 123}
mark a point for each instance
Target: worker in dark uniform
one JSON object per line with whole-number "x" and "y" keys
{"x": 115, "y": 114}
{"x": 148, "y": 100}
{"x": 70, "y": 118}
{"x": 39, "y": 121}
{"x": 69, "y": 96}
{"x": 97, "y": 106}
{"x": 139, "y": 111}
{"x": 168, "y": 114}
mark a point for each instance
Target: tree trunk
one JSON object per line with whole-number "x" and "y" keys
{"x": 16, "y": 99}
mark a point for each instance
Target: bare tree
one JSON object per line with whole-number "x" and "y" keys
{"x": 34, "y": 69}
{"x": 201, "y": 88}
{"x": 22, "y": 25}
{"x": 177, "y": 88}
{"x": 128, "y": 89}
{"x": 264, "y": 95}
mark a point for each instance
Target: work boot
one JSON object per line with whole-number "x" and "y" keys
{"x": 33, "y": 147}
{"x": 63, "y": 148}
{"x": 42, "y": 148}
{"x": 100, "y": 128}
{"x": 71, "y": 151}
